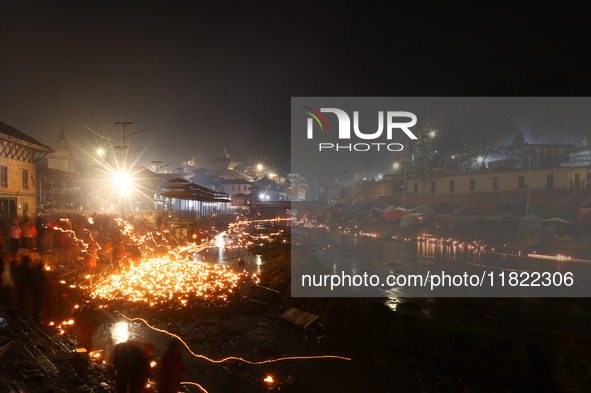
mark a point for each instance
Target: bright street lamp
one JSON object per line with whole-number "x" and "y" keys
{"x": 122, "y": 180}
{"x": 260, "y": 167}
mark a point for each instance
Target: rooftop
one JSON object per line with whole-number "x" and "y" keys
{"x": 30, "y": 141}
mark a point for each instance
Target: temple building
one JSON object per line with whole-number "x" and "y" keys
{"x": 62, "y": 159}
{"x": 223, "y": 167}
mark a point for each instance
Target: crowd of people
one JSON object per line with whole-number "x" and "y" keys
{"x": 93, "y": 241}
{"x": 98, "y": 241}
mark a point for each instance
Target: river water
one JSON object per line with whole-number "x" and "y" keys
{"x": 339, "y": 255}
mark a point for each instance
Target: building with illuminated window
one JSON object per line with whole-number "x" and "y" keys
{"x": 18, "y": 175}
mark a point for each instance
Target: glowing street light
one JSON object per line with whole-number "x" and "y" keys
{"x": 432, "y": 134}
{"x": 122, "y": 180}
{"x": 99, "y": 153}
{"x": 260, "y": 167}
{"x": 480, "y": 160}
{"x": 396, "y": 165}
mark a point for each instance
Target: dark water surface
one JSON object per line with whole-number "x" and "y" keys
{"x": 338, "y": 254}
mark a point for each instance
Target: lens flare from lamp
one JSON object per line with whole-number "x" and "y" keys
{"x": 122, "y": 179}
{"x": 120, "y": 332}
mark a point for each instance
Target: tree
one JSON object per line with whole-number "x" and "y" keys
{"x": 465, "y": 137}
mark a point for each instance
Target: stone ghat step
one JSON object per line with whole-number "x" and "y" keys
{"x": 51, "y": 354}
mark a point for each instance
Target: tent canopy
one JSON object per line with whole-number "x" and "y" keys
{"x": 503, "y": 217}
{"x": 393, "y": 214}
{"x": 556, "y": 220}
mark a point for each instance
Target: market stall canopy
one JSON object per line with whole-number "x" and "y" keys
{"x": 556, "y": 220}
{"x": 413, "y": 218}
{"x": 530, "y": 223}
{"x": 502, "y": 217}
{"x": 421, "y": 209}
{"x": 393, "y": 214}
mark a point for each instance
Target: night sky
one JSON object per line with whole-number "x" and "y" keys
{"x": 203, "y": 76}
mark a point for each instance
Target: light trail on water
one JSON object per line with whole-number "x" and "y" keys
{"x": 199, "y": 356}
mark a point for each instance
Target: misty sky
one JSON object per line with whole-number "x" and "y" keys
{"x": 203, "y": 76}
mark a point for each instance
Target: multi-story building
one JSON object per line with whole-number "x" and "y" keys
{"x": 18, "y": 155}
{"x": 558, "y": 178}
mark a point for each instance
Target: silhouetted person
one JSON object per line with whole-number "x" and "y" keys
{"x": 169, "y": 376}
{"x": 23, "y": 283}
{"x": 40, "y": 241}
{"x": 1, "y": 278}
{"x": 38, "y": 287}
{"x": 132, "y": 366}
{"x": 11, "y": 263}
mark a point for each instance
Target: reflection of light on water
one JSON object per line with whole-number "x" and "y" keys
{"x": 219, "y": 240}
{"x": 120, "y": 332}
{"x": 259, "y": 260}
{"x": 392, "y": 304}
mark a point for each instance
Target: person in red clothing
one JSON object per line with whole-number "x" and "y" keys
{"x": 171, "y": 366}
{"x": 29, "y": 233}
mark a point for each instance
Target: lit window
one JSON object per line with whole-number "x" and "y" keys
{"x": 25, "y": 179}
{"x": 4, "y": 175}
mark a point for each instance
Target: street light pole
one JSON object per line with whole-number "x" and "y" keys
{"x": 528, "y": 186}
{"x": 404, "y": 187}
{"x": 125, "y": 136}
{"x": 123, "y": 124}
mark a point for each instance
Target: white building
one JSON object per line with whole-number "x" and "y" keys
{"x": 62, "y": 159}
